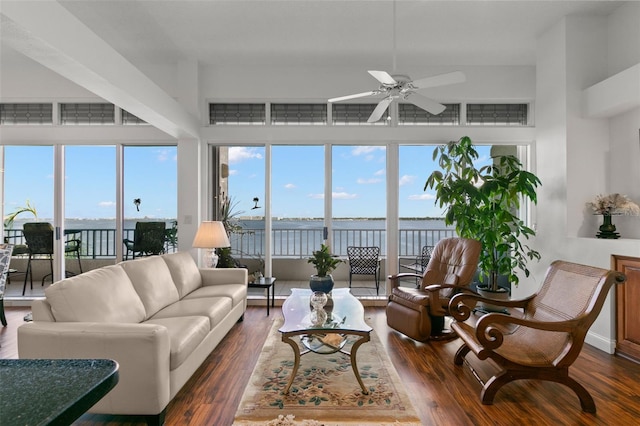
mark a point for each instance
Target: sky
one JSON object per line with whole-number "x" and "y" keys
{"x": 150, "y": 173}
{"x": 358, "y": 180}
{"x": 358, "y": 174}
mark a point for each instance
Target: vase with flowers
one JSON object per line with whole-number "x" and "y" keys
{"x": 612, "y": 205}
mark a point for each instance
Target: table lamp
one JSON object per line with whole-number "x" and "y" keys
{"x": 211, "y": 235}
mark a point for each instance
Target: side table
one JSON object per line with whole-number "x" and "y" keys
{"x": 266, "y": 282}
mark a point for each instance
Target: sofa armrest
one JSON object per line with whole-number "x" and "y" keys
{"x": 141, "y": 350}
{"x": 223, "y": 276}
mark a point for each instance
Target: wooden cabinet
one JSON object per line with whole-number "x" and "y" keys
{"x": 627, "y": 307}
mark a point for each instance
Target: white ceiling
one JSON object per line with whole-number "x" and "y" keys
{"x": 111, "y": 48}
{"x": 321, "y": 32}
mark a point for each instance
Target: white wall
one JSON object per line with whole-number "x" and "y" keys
{"x": 599, "y": 155}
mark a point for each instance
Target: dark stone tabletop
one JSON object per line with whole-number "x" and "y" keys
{"x": 52, "y": 391}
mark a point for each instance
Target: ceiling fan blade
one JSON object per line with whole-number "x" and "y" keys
{"x": 380, "y": 109}
{"x": 439, "y": 80}
{"x": 425, "y": 103}
{"x": 357, "y": 95}
{"x": 383, "y": 77}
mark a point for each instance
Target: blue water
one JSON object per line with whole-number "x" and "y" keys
{"x": 256, "y": 224}
{"x": 291, "y": 237}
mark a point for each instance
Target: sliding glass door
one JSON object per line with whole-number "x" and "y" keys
{"x": 150, "y": 195}
{"x": 359, "y": 196}
{"x": 297, "y": 199}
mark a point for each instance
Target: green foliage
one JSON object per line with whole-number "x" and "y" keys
{"x": 11, "y": 217}
{"x": 324, "y": 261}
{"x": 483, "y": 203}
{"x": 229, "y": 215}
{"x": 171, "y": 234}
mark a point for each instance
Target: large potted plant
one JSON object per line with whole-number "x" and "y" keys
{"x": 324, "y": 263}
{"x": 483, "y": 204}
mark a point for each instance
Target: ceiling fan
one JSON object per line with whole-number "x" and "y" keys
{"x": 402, "y": 87}
{"x": 396, "y": 86}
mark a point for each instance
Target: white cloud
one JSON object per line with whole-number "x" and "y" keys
{"x": 343, "y": 196}
{"x": 289, "y": 186}
{"x": 106, "y": 203}
{"x": 380, "y": 172}
{"x": 240, "y": 153}
{"x": 407, "y": 179}
{"x": 422, "y": 197}
{"x": 335, "y": 196}
{"x": 364, "y": 150}
{"x": 162, "y": 155}
{"x": 369, "y": 181}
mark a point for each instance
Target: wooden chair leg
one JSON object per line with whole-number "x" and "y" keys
{"x": 462, "y": 351}
{"x": 493, "y": 385}
{"x": 586, "y": 401}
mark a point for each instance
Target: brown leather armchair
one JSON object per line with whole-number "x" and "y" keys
{"x": 419, "y": 313}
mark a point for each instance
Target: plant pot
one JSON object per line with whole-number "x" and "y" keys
{"x": 500, "y": 294}
{"x": 323, "y": 284}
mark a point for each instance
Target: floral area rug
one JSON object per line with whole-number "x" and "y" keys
{"x": 325, "y": 390}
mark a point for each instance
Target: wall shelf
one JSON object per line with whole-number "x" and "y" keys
{"x": 613, "y": 96}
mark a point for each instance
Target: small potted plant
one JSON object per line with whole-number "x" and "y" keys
{"x": 324, "y": 263}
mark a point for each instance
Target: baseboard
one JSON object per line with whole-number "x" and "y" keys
{"x": 601, "y": 342}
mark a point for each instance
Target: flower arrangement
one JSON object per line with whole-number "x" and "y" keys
{"x": 613, "y": 204}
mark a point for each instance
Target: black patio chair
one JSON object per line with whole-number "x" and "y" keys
{"x": 148, "y": 240}
{"x": 364, "y": 261}
{"x": 420, "y": 263}
{"x": 39, "y": 239}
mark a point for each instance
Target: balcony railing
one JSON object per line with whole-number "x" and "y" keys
{"x": 300, "y": 243}
{"x": 286, "y": 243}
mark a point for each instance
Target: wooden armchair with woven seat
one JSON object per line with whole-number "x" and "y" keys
{"x": 545, "y": 333}
{"x": 420, "y": 312}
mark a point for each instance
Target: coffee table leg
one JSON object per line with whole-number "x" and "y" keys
{"x": 354, "y": 364}
{"x": 296, "y": 364}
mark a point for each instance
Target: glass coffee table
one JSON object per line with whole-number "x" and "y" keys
{"x": 324, "y": 331}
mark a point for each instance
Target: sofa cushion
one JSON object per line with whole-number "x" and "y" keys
{"x": 236, "y": 292}
{"x": 214, "y": 308}
{"x": 184, "y": 271}
{"x": 152, "y": 281}
{"x": 185, "y": 334}
{"x": 100, "y": 295}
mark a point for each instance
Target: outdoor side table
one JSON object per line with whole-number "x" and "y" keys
{"x": 268, "y": 283}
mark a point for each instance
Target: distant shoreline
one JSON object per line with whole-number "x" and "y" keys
{"x": 237, "y": 218}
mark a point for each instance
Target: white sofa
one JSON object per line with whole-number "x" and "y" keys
{"x": 159, "y": 317}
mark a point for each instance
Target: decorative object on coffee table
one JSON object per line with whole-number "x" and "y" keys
{"x": 324, "y": 263}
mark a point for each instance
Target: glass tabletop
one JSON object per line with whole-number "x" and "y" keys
{"x": 343, "y": 313}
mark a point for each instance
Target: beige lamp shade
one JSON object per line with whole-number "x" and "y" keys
{"x": 211, "y": 234}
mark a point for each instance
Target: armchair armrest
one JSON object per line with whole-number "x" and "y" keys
{"x": 395, "y": 279}
{"x": 461, "y": 304}
{"x": 436, "y": 300}
{"x": 491, "y": 328}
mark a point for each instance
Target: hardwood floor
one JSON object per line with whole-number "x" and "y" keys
{"x": 442, "y": 393}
